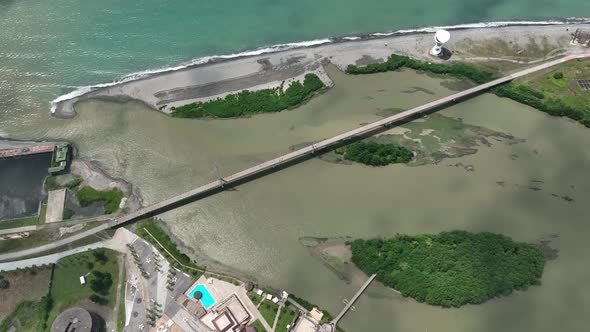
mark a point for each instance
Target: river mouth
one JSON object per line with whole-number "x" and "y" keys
{"x": 255, "y": 229}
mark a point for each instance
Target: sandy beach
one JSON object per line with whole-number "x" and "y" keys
{"x": 520, "y": 45}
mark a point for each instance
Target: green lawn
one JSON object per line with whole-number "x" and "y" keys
{"x": 258, "y": 326}
{"x": 268, "y": 310}
{"x": 254, "y": 297}
{"x": 67, "y": 290}
{"x": 285, "y": 318}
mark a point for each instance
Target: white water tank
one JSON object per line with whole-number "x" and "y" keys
{"x": 440, "y": 38}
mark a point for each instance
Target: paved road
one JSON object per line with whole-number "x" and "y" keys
{"x": 49, "y": 259}
{"x": 287, "y": 159}
{"x": 54, "y": 245}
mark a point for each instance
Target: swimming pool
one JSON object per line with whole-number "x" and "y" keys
{"x": 207, "y": 299}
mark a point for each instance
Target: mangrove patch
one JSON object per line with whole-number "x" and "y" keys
{"x": 252, "y": 102}
{"x": 451, "y": 269}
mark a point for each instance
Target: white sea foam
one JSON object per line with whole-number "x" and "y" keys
{"x": 282, "y": 47}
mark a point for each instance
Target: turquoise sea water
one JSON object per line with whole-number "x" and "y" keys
{"x": 48, "y": 47}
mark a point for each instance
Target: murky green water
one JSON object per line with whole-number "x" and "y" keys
{"x": 255, "y": 228}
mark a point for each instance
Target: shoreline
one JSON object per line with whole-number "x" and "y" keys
{"x": 212, "y": 77}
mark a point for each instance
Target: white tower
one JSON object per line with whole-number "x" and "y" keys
{"x": 440, "y": 38}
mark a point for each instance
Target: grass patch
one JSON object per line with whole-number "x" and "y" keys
{"x": 285, "y": 318}
{"x": 268, "y": 310}
{"x": 164, "y": 241}
{"x": 258, "y": 326}
{"x": 51, "y": 183}
{"x": 255, "y": 298}
{"x": 74, "y": 183}
{"x": 121, "y": 309}
{"x": 29, "y": 221}
{"x": 451, "y": 269}
{"x": 27, "y": 317}
{"x": 67, "y": 290}
{"x": 253, "y": 102}
{"x": 112, "y": 198}
{"x": 307, "y": 305}
{"x": 554, "y": 90}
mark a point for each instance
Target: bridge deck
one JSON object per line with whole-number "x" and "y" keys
{"x": 338, "y": 139}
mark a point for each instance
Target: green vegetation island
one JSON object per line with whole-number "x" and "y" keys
{"x": 252, "y": 102}
{"x": 551, "y": 94}
{"x": 451, "y": 269}
{"x": 375, "y": 154}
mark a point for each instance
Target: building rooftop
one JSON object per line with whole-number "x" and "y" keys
{"x": 73, "y": 320}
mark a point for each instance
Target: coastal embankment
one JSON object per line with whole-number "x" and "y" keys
{"x": 214, "y": 77}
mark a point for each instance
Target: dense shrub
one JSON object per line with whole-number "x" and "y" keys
{"x": 100, "y": 256}
{"x": 112, "y": 198}
{"x": 252, "y": 102}
{"x": 375, "y": 154}
{"x": 457, "y": 69}
{"x": 101, "y": 282}
{"x": 451, "y": 268}
{"x": 74, "y": 182}
{"x": 558, "y": 75}
{"x": 536, "y": 99}
{"x": 98, "y": 299}
{"x": 68, "y": 213}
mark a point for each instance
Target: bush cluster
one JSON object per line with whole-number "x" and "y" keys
{"x": 457, "y": 69}
{"x": 112, "y": 198}
{"x": 451, "y": 268}
{"x": 375, "y": 154}
{"x": 252, "y": 102}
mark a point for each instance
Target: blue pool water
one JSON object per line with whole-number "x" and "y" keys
{"x": 207, "y": 300}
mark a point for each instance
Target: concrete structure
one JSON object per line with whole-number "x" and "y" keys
{"x": 349, "y": 304}
{"x": 56, "y": 200}
{"x": 440, "y": 38}
{"x": 59, "y": 160}
{"x": 74, "y": 319}
{"x": 15, "y": 152}
{"x": 581, "y": 37}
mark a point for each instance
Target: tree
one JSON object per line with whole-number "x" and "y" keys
{"x": 558, "y": 75}
{"x": 100, "y": 256}
{"x": 101, "y": 282}
{"x": 4, "y": 284}
{"x": 98, "y": 299}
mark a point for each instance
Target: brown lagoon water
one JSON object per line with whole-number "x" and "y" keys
{"x": 255, "y": 229}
